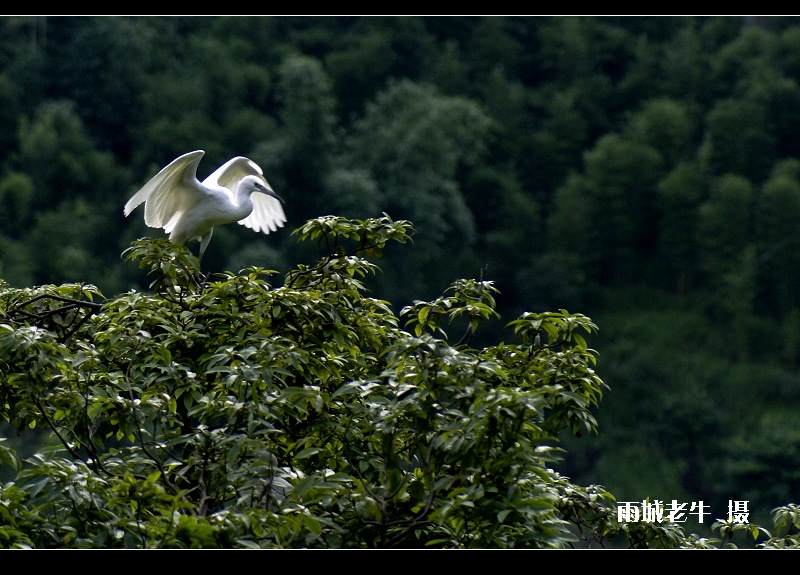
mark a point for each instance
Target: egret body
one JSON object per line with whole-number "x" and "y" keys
{"x": 188, "y": 209}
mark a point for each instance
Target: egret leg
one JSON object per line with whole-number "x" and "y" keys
{"x": 204, "y": 243}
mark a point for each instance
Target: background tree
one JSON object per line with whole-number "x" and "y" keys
{"x": 618, "y": 189}
{"x": 417, "y": 146}
{"x": 778, "y": 236}
{"x": 678, "y": 199}
{"x": 724, "y": 217}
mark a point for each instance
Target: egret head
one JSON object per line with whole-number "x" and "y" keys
{"x": 254, "y": 184}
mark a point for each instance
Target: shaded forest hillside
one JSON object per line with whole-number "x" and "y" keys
{"x": 643, "y": 171}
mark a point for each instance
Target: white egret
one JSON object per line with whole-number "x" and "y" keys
{"x": 188, "y": 209}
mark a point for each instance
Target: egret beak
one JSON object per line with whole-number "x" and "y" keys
{"x": 269, "y": 192}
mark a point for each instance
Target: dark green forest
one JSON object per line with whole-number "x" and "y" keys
{"x": 642, "y": 171}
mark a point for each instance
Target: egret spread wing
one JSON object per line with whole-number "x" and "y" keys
{"x": 170, "y": 192}
{"x": 231, "y": 172}
{"x": 267, "y": 215}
